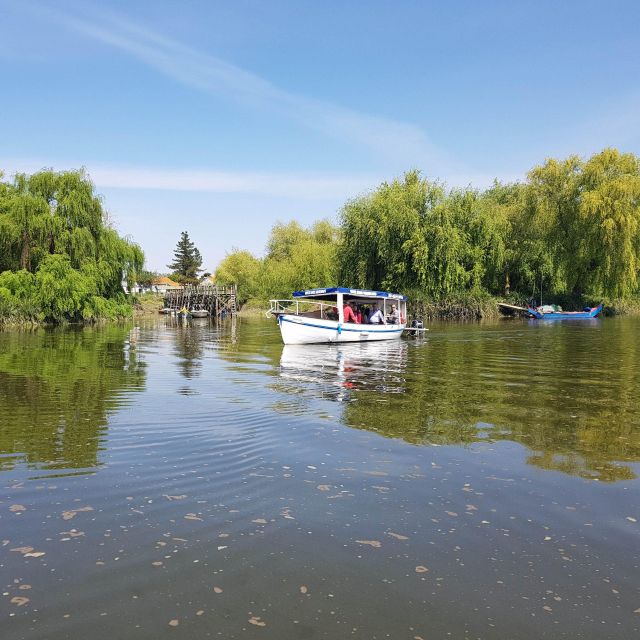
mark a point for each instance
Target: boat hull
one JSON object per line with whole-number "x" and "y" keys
{"x": 565, "y": 315}
{"x": 302, "y": 330}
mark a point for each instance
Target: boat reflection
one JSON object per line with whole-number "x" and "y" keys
{"x": 336, "y": 370}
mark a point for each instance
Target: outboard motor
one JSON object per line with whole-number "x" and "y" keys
{"x": 417, "y": 324}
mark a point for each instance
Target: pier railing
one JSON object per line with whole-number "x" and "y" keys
{"x": 326, "y": 311}
{"x": 218, "y": 300}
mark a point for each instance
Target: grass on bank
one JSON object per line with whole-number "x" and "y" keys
{"x": 146, "y": 304}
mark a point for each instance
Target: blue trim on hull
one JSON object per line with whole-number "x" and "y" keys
{"x": 339, "y": 328}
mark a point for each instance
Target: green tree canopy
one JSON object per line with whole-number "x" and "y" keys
{"x": 296, "y": 257}
{"x": 53, "y": 225}
{"x": 572, "y": 229}
{"x": 585, "y": 217}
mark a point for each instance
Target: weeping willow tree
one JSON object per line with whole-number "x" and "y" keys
{"x": 610, "y": 212}
{"x": 585, "y": 218}
{"x": 60, "y": 259}
{"x": 572, "y": 229}
{"x": 411, "y": 234}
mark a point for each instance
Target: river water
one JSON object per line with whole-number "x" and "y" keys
{"x": 182, "y": 480}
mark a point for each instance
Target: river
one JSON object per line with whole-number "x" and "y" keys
{"x": 183, "y": 480}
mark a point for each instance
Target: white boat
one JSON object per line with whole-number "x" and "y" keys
{"x": 317, "y": 315}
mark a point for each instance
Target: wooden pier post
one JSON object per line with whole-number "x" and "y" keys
{"x": 219, "y": 300}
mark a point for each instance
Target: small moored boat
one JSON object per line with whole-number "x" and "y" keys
{"x": 318, "y": 315}
{"x": 547, "y": 313}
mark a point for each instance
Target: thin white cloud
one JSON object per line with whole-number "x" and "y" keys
{"x": 289, "y": 185}
{"x": 305, "y": 186}
{"x": 387, "y": 137}
{"x": 266, "y": 184}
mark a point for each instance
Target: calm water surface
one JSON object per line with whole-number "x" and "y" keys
{"x": 182, "y": 480}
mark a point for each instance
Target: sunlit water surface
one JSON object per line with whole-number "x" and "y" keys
{"x": 182, "y": 480}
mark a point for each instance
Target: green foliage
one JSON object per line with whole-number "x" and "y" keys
{"x": 59, "y": 388}
{"x": 242, "y": 269}
{"x": 571, "y": 230}
{"x": 60, "y": 260}
{"x": 145, "y": 278}
{"x": 411, "y": 234}
{"x": 586, "y": 215}
{"x": 296, "y": 258}
{"x": 186, "y": 261}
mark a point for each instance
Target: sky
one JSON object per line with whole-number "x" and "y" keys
{"x": 222, "y": 118}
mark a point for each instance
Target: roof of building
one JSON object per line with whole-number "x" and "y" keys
{"x": 164, "y": 280}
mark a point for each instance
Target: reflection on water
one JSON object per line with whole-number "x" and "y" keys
{"x": 565, "y": 391}
{"x": 377, "y": 366}
{"x": 183, "y": 479}
{"x": 57, "y": 389}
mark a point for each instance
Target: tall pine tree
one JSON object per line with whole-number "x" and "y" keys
{"x": 186, "y": 259}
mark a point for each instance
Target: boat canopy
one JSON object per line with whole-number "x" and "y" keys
{"x": 331, "y": 293}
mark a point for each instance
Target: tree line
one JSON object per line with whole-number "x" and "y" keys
{"x": 572, "y": 229}
{"x": 60, "y": 258}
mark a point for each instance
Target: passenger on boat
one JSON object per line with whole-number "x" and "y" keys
{"x": 394, "y": 316}
{"x": 349, "y": 315}
{"x": 376, "y": 317}
{"x": 332, "y": 314}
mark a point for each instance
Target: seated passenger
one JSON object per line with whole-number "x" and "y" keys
{"x": 349, "y": 315}
{"x": 376, "y": 317}
{"x": 332, "y": 314}
{"x": 394, "y": 316}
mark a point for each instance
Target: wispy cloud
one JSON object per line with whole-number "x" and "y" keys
{"x": 301, "y": 185}
{"x": 266, "y": 184}
{"x": 389, "y": 138}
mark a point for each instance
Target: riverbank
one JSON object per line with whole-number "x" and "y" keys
{"x": 479, "y": 306}
{"x": 144, "y": 305}
{"x": 485, "y": 307}
{"x": 457, "y": 307}
{"x": 147, "y": 304}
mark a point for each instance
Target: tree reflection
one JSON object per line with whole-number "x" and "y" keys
{"x": 57, "y": 389}
{"x": 191, "y": 336}
{"x": 568, "y": 393}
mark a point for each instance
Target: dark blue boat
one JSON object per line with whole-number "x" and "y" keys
{"x": 565, "y": 315}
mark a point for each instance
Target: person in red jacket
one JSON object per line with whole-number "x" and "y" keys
{"x": 349, "y": 315}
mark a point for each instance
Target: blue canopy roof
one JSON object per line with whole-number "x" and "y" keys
{"x": 358, "y": 293}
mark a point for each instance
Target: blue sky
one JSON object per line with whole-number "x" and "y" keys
{"x": 221, "y": 118}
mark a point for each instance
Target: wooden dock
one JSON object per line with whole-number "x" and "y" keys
{"x": 219, "y": 301}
